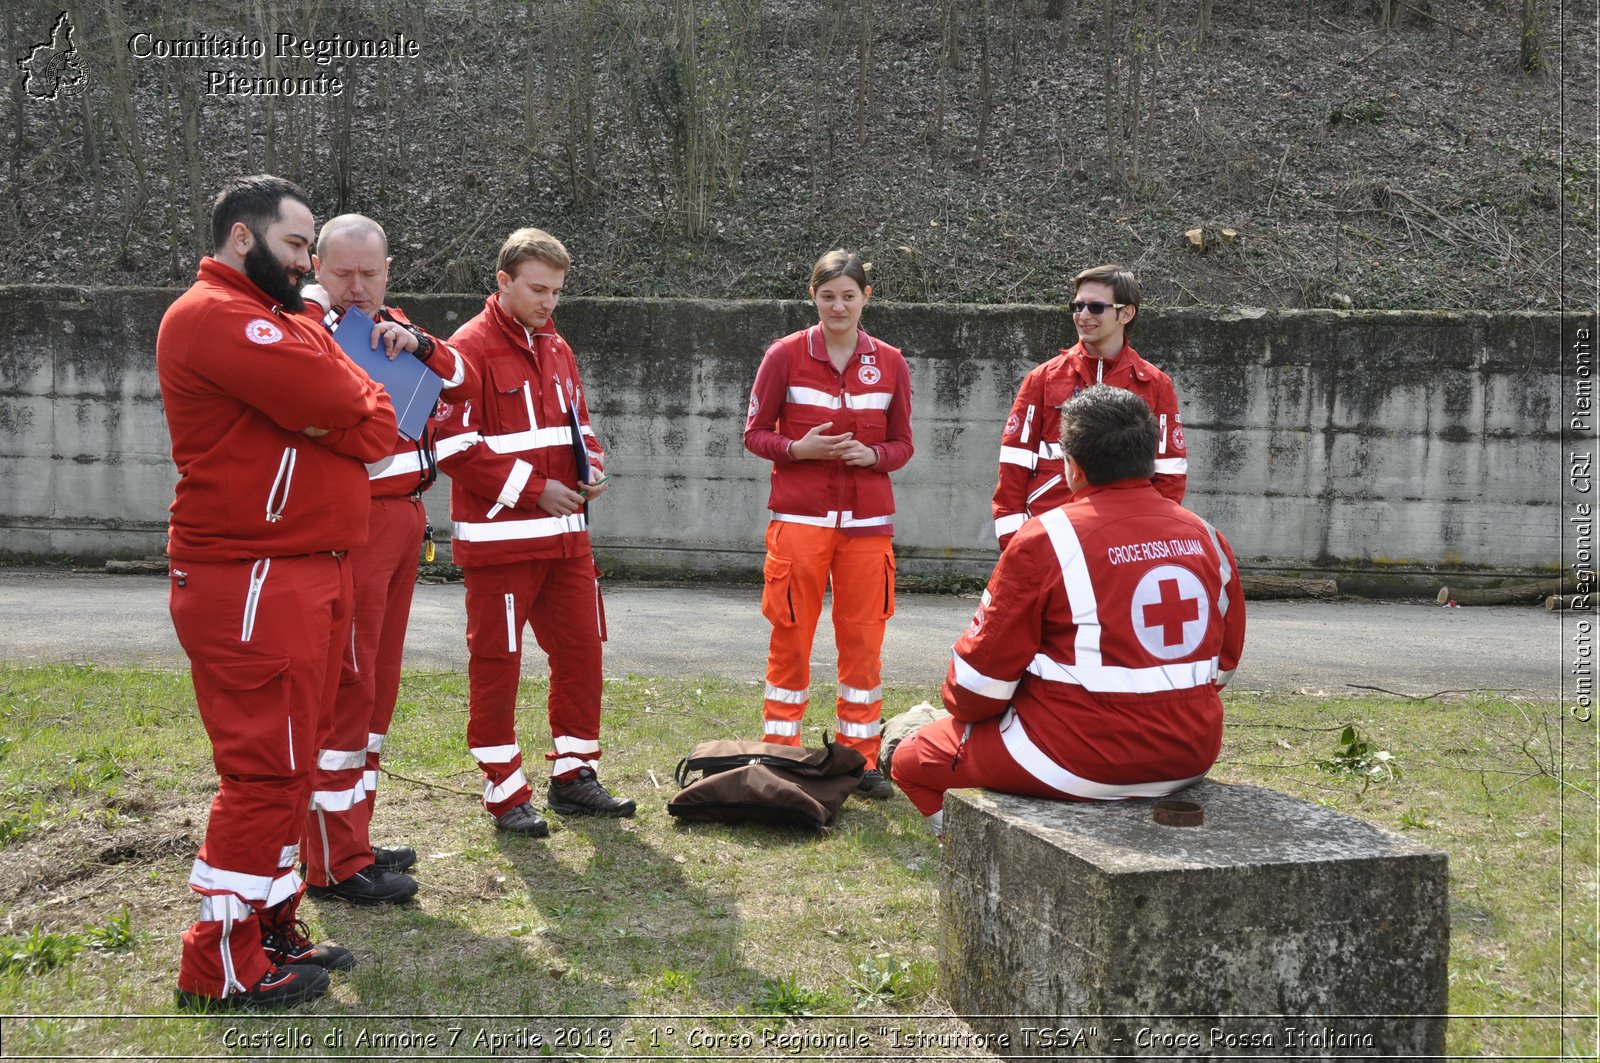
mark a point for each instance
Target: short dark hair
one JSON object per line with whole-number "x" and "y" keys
{"x": 254, "y": 200}
{"x": 1110, "y": 433}
{"x": 1124, "y": 286}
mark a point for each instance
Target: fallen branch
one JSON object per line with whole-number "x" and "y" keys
{"x": 430, "y": 785}
{"x": 1411, "y": 697}
{"x": 1514, "y": 594}
{"x": 1259, "y": 586}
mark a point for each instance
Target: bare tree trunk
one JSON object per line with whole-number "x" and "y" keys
{"x": 189, "y": 104}
{"x": 1136, "y": 82}
{"x": 863, "y": 66}
{"x": 127, "y": 123}
{"x": 1203, "y": 26}
{"x": 1113, "y": 94}
{"x": 985, "y": 86}
{"x": 1531, "y": 53}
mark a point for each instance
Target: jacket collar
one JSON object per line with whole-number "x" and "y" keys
{"x": 817, "y": 343}
{"x": 515, "y": 331}
{"x": 215, "y": 271}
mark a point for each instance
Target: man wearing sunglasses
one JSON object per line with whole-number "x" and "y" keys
{"x": 1032, "y": 477}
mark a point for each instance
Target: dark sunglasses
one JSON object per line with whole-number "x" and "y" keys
{"x": 1095, "y": 308}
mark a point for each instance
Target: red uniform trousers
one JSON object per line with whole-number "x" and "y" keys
{"x": 559, "y": 597}
{"x": 345, "y": 783}
{"x": 946, "y": 755}
{"x": 264, "y": 639}
{"x": 800, "y": 561}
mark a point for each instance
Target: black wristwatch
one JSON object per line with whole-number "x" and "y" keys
{"x": 425, "y": 344}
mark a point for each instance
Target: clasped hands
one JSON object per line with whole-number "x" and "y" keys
{"x": 815, "y": 445}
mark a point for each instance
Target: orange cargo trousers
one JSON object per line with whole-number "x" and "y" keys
{"x": 801, "y": 562}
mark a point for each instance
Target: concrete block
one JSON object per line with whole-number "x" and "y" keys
{"x": 1277, "y": 928}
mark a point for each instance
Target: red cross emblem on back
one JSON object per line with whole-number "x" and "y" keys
{"x": 1170, "y": 610}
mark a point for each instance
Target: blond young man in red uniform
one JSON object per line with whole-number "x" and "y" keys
{"x": 1032, "y": 478}
{"x": 524, "y": 464}
{"x": 352, "y": 264}
{"x": 831, "y": 409}
{"x": 1092, "y": 668}
{"x": 271, "y": 426}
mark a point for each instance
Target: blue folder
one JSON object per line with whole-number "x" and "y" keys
{"x": 413, "y": 388}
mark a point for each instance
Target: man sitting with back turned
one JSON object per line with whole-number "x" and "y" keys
{"x": 1092, "y": 667}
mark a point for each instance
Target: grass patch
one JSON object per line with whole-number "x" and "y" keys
{"x": 108, "y": 779}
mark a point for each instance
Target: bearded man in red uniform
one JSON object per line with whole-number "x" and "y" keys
{"x": 1032, "y": 479}
{"x": 271, "y": 426}
{"x": 1092, "y": 668}
{"x": 524, "y": 465}
{"x": 352, "y": 264}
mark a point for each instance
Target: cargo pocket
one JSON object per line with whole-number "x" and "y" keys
{"x": 888, "y": 585}
{"x": 248, "y": 714}
{"x": 777, "y": 593}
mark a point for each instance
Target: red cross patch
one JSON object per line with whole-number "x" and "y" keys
{"x": 1170, "y": 611}
{"x": 262, "y": 331}
{"x": 1012, "y": 424}
{"x": 869, "y": 375}
{"x": 1177, "y": 436}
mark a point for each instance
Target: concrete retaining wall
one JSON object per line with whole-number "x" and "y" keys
{"x": 1317, "y": 438}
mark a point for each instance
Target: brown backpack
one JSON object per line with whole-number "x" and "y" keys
{"x": 759, "y": 782}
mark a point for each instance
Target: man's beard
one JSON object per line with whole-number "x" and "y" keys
{"x": 272, "y": 276}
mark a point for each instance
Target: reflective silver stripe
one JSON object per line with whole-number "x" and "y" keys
{"x": 969, "y": 678}
{"x": 1009, "y": 523}
{"x": 287, "y": 855}
{"x": 1080, "y": 589}
{"x": 811, "y": 397}
{"x": 527, "y": 399}
{"x": 511, "y": 623}
{"x": 338, "y": 800}
{"x": 562, "y": 765}
{"x": 1017, "y": 456}
{"x": 873, "y": 400}
{"x": 290, "y": 722}
{"x": 1050, "y": 451}
{"x": 858, "y": 696}
{"x": 503, "y": 530}
{"x": 1033, "y": 761}
{"x": 495, "y": 754}
{"x": 1042, "y": 488}
{"x": 1224, "y": 570}
{"x": 935, "y": 823}
{"x": 369, "y": 779}
{"x": 515, "y": 482}
{"x": 835, "y": 519}
{"x": 859, "y": 730}
{"x": 788, "y": 697}
{"x": 252, "y": 599}
{"x": 452, "y": 445}
{"x": 1161, "y": 445}
{"x": 493, "y": 795}
{"x": 1172, "y": 466}
{"x": 1027, "y": 424}
{"x": 407, "y": 464}
{"x": 455, "y": 379}
{"x": 375, "y": 742}
{"x": 277, "y": 499}
{"x": 781, "y": 727}
{"x": 341, "y": 759}
{"x": 1225, "y": 677}
{"x": 535, "y": 439}
{"x": 204, "y": 877}
{"x": 564, "y": 744}
{"x": 217, "y": 907}
{"x": 1112, "y": 679}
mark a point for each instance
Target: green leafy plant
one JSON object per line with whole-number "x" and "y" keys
{"x": 785, "y": 995}
{"x": 114, "y": 935}
{"x": 37, "y": 952}
{"x": 879, "y": 977}
{"x": 1358, "y": 757}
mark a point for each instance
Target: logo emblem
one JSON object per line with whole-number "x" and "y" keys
{"x": 869, "y": 375}
{"x": 1170, "y": 612}
{"x": 755, "y": 407}
{"x": 1177, "y": 436}
{"x": 262, "y": 331}
{"x": 977, "y": 623}
{"x": 442, "y": 410}
{"x": 1012, "y": 424}
{"x": 53, "y": 67}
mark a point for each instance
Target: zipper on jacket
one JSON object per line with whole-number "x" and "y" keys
{"x": 1027, "y": 423}
{"x": 252, "y": 599}
{"x": 511, "y": 623}
{"x": 278, "y": 497}
{"x": 1161, "y": 448}
{"x": 1042, "y": 488}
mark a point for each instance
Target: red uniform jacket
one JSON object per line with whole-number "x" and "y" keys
{"x": 410, "y": 466}
{"x": 508, "y": 437}
{"x": 240, "y": 377}
{"x": 1108, "y": 626}
{"x": 797, "y": 389}
{"x": 1032, "y": 473}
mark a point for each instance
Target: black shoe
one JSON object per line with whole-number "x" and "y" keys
{"x": 281, "y": 987}
{"x": 522, "y": 820}
{"x": 289, "y": 944}
{"x": 584, "y": 796}
{"x": 886, "y": 759}
{"x": 874, "y": 785}
{"x": 398, "y": 859}
{"x": 371, "y": 885}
